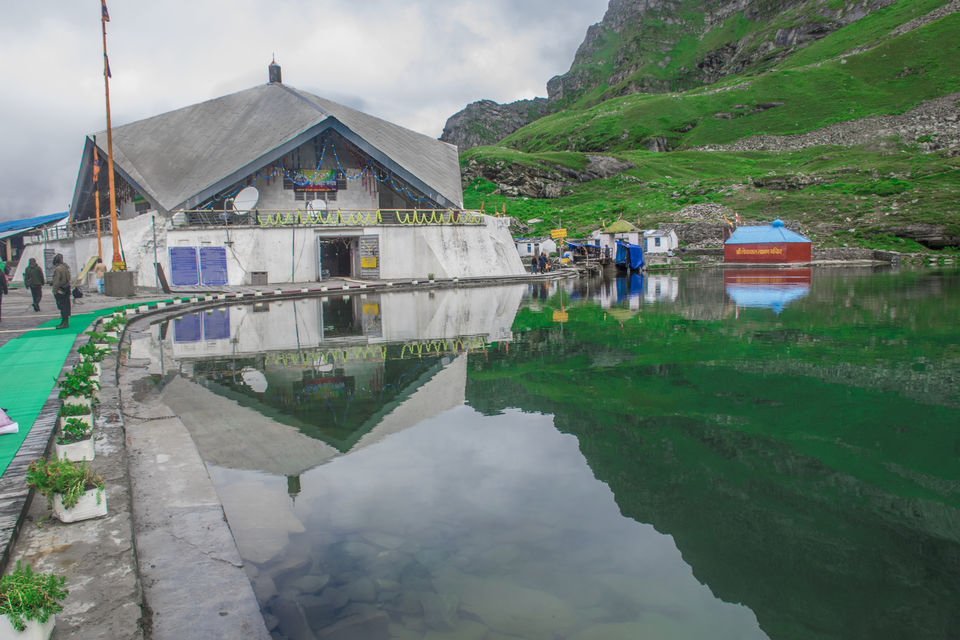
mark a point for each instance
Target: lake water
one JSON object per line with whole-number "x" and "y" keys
{"x": 707, "y": 454}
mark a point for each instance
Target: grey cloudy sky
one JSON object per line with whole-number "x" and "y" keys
{"x": 413, "y": 62}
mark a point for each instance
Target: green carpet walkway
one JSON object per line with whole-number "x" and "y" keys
{"x": 30, "y": 365}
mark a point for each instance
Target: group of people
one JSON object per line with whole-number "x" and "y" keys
{"x": 60, "y": 284}
{"x": 539, "y": 264}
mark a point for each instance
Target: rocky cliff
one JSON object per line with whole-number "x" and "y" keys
{"x": 657, "y": 46}
{"x": 485, "y": 122}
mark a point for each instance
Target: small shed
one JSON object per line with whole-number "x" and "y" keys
{"x": 619, "y": 230}
{"x": 772, "y": 243}
{"x": 527, "y": 247}
{"x": 660, "y": 241}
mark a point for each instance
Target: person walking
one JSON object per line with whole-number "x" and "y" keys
{"x": 3, "y": 285}
{"x": 99, "y": 272}
{"x": 543, "y": 262}
{"x": 33, "y": 279}
{"x": 61, "y": 289}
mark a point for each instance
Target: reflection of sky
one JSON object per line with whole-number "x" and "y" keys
{"x": 462, "y": 484}
{"x": 767, "y": 297}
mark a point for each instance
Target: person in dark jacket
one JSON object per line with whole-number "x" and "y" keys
{"x": 61, "y": 289}
{"x": 33, "y": 279}
{"x": 3, "y": 285}
{"x": 543, "y": 262}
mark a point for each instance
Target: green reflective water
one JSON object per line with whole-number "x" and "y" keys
{"x": 700, "y": 455}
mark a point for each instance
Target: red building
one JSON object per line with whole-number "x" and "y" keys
{"x": 767, "y": 244}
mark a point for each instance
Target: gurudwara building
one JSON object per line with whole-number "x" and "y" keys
{"x": 276, "y": 185}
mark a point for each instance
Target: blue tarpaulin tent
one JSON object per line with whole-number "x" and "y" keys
{"x": 629, "y": 256}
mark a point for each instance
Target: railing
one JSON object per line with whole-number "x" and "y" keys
{"x": 331, "y": 218}
{"x": 85, "y": 229}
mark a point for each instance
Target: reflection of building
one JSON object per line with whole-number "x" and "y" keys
{"x": 660, "y": 288}
{"x": 766, "y": 288}
{"x": 274, "y": 184}
{"x": 349, "y": 322}
{"x": 330, "y": 368}
{"x": 774, "y": 243}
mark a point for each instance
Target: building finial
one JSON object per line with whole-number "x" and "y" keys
{"x": 274, "y": 71}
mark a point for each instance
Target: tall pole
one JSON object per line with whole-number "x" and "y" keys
{"x": 96, "y": 197}
{"x": 118, "y": 264}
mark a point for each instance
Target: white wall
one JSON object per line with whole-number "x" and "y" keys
{"x": 449, "y": 251}
{"x": 668, "y": 241}
{"x": 289, "y": 254}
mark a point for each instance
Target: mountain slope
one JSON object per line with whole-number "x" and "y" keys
{"x": 833, "y": 125}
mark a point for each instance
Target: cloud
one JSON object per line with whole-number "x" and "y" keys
{"x": 415, "y": 63}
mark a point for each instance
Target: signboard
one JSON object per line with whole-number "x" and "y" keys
{"x": 213, "y": 266}
{"x": 560, "y": 316}
{"x": 315, "y": 181}
{"x": 558, "y": 233}
{"x": 184, "y": 269}
{"x": 368, "y": 262}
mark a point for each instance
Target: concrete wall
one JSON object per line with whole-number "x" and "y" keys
{"x": 289, "y": 254}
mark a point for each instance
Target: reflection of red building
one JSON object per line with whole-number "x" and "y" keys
{"x": 776, "y": 278}
{"x": 766, "y": 288}
{"x": 774, "y": 243}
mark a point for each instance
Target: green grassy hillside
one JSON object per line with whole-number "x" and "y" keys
{"x": 865, "y": 195}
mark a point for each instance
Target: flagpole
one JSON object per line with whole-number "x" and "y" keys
{"x": 96, "y": 198}
{"x": 118, "y": 264}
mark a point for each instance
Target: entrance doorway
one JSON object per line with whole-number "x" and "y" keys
{"x": 336, "y": 257}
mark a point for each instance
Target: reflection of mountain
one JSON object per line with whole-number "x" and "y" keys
{"x": 830, "y": 510}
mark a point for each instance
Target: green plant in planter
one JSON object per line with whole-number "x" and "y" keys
{"x": 25, "y": 595}
{"x": 77, "y": 384}
{"x": 70, "y": 479}
{"x": 96, "y": 336}
{"x": 70, "y": 410}
{"x": 92, "y": 352}
{"x": 85, "y": 367}
{"x": 74, "y": 430}
{"x": 115, "y": 323}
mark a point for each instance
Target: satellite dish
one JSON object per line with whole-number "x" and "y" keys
{"x": 318, "y": 205}
{"x": 254, "y": 379}
{"x": 246, "y": 199}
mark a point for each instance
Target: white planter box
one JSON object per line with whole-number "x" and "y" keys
{"x": 34, "y": 631}
{"x": 75, "y": 451}
{"x": 83, "y": 401}
{"x": 85, "y": 509}
{"x": 88, "y": 418}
